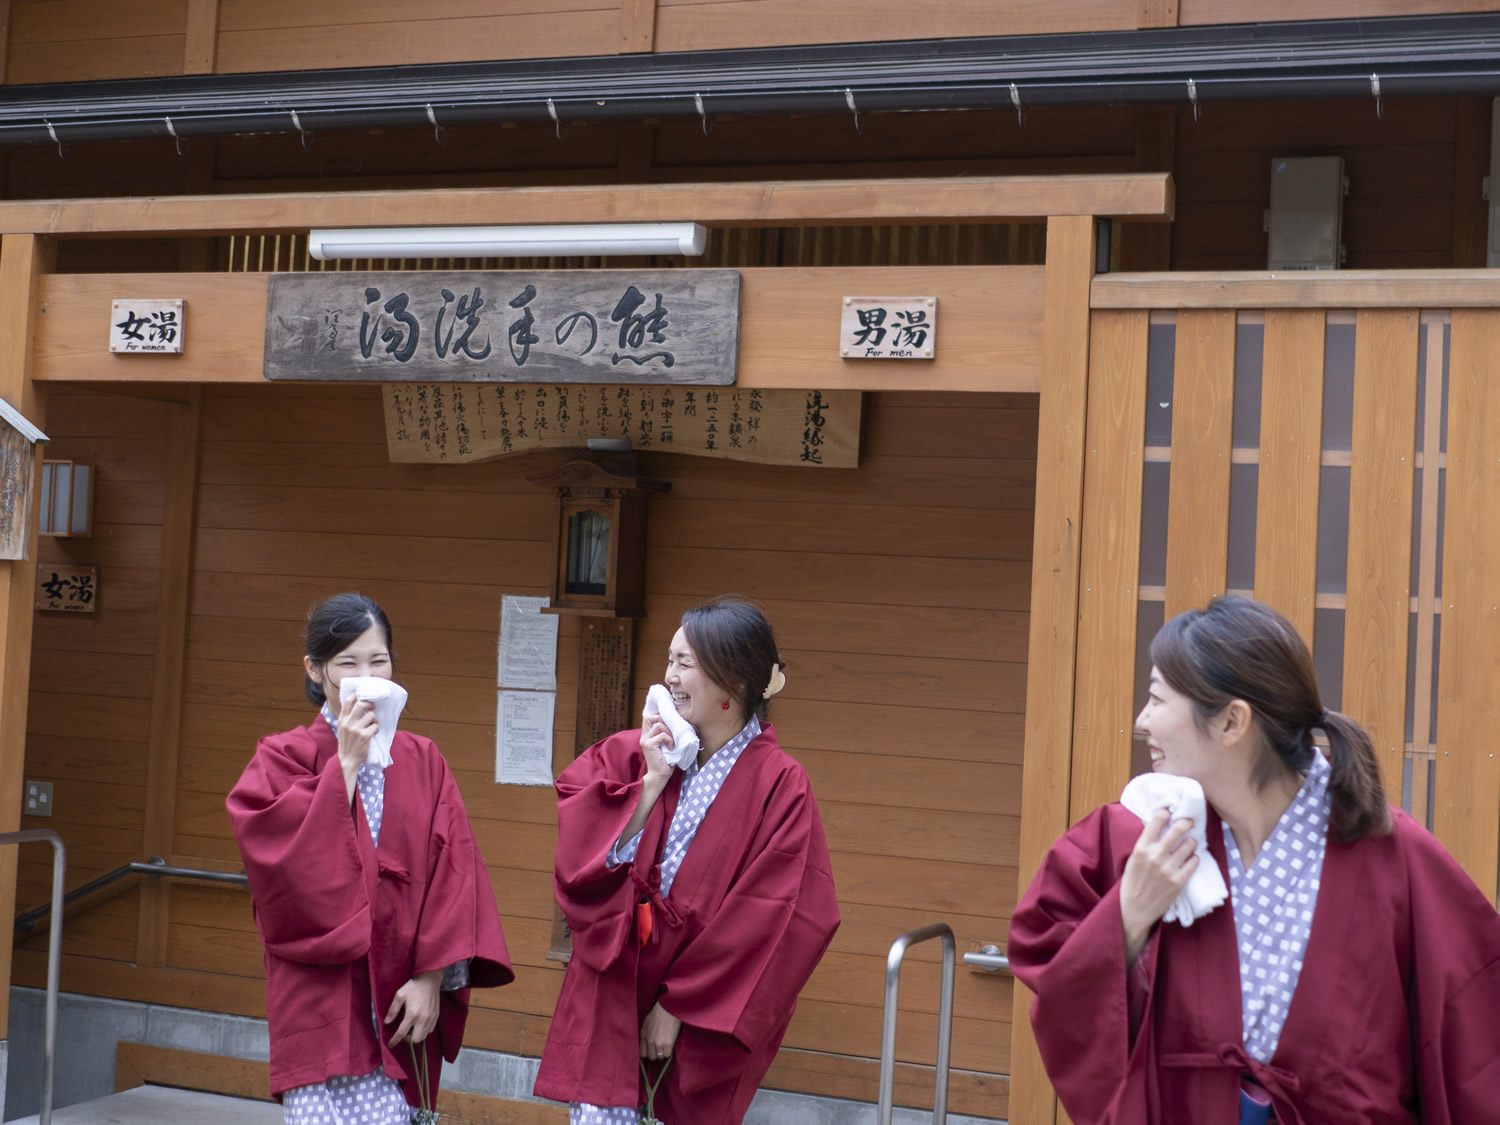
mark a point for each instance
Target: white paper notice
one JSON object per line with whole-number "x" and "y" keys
{"x": 528, "y": 644}
{"x": 523, "y": 738}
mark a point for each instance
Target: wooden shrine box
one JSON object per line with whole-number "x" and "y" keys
{"x": 600, "y": 537}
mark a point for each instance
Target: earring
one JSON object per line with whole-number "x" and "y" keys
{"x": 724, "y": 706}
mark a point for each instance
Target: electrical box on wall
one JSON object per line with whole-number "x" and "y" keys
{"x": 1306, "y": 219}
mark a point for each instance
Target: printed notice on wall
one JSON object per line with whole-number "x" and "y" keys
{"x": 528, "y": 644}
{"x": 454, "y": 424}
{"x": 523, "y": 738}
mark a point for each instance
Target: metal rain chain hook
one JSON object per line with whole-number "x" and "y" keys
{"x": 703, "y": 114}
{"x": 1375, "y": 93}
{"x": 1015, "y": 100}
{"x": 301, "y": 132}
{"x": 172, "y": 129}
{"x": 438, "y": 132}
{"x": 854, "y": 109}
{"x": 51, "y": 132}
{"x": 1193, "y": 97}
{"x": 562, "y": 132}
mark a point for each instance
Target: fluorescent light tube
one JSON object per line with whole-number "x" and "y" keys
{"x": 563, "y": 241}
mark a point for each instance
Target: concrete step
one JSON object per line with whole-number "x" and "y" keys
{"x": 162, "y": 1105}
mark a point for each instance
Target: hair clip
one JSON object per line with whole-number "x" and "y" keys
{"x": 778, "y": 681}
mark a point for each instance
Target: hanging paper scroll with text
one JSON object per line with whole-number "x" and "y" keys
{"x": 456, "y": 423}
{"x": 514, "y": 326}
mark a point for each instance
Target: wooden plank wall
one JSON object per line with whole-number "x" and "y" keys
{"x": 89, "y": 714}
{"x": 900, "y": 589}
{"x": 1403, "y": 197}
{"x": 72, "y": 40}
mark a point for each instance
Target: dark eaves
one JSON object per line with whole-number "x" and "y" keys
{"x": 1377, "y": 59}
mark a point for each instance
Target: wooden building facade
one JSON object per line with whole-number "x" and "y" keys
{"x": 1112, "y": 430}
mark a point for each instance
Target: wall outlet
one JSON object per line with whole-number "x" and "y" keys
{"x": 38, "y": 798}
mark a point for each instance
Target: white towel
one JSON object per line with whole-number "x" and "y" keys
{"x": 389, "y": 698}
{"x": 685, "y": 739}
{"x": 1183, "y": 798}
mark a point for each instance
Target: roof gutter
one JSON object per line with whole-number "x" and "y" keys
{"x": 1376, "y": 59}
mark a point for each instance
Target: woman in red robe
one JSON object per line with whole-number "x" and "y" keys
{"x": 699, "y": 898}
{"x": 1354, "y": 975}
{"x": 370, "y": 895}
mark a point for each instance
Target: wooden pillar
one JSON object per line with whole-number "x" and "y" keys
{"x": 1053, "y": 647}
{"x": 174, "y": 589}
{"x": 23, "y": 258}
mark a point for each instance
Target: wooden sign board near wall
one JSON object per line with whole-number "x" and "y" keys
{"x": 18, "y": 440}
{"x": 456, "y": 424}
{"x": 67, "y": 589}
{"x": 542, "y": 326}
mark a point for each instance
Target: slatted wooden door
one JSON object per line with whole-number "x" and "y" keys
{"x": 1342, "y": 466}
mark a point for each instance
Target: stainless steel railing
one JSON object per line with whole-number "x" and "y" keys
{"x": 155, "y": 868}
{"x": 945, "y": 1021}
{"x": 54, "y": 954}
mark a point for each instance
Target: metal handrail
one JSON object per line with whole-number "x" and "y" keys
{"x": 155, "y": 868}
{"x": 989, "y": 958}
{"x": 54, "y": 954}
{"x": 945, "y": 1021}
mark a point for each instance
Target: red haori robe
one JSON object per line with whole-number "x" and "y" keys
{"x": 751, "y": 910}
{"x": 1394, "y": 1016}
{"x": 345, "y": 924}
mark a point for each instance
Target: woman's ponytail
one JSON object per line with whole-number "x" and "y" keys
{"x": 1355, "y": 796}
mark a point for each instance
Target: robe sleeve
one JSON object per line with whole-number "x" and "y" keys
{"x": 1067, "y": 944}
{"x": 741, "y": 975}
{"x": 1455, "y": 984}
{"x": 297, "y": 836}
{"x": 459, "y": 920}
{"x": 596, "y": 797}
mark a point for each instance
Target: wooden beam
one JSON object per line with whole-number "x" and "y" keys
{"x": 1259, "y": 289}
{"x": 1466, "y": 806}
{"x": 1378, "y": 584}
{"x": 1110, "y": 570}
{"x": 202, "y": 45}
{"x": 637, "y": 26}
{"x": 23, "y": 259}
{"x": 1134, "y": 195}
{"x": 174, "y": 587}
{"x": 990, "y": 328}
{"x": 1291, "y": 427}
{"x": 1198, "y": 502}
{"x": 1045, "y": 777}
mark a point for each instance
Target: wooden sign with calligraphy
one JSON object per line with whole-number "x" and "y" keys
{"x": 18, "y": 470}
{"x": 542, "y": 326}
{"x": 450, "y": 423}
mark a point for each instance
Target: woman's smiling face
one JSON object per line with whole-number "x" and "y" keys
{"x": 697, "y": 698}
{"x": 1179, "y": 744}
{"x": 369, "y": 655}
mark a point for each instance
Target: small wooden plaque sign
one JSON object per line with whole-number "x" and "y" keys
{"x": 888, "y": 328}
{"x": 145, "y": 324}
{"x": 67, "y": 589}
